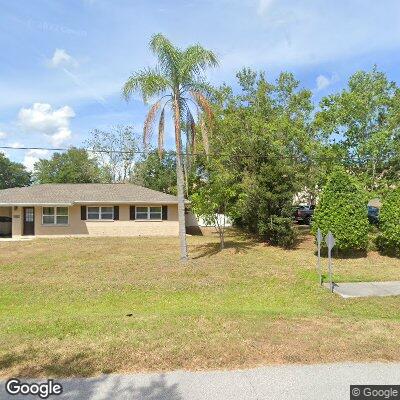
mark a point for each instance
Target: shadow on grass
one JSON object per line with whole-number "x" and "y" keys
{"x": 392, "y": 253}
{"x": 343, "y": 255}
{"x": 213, "y": 248}
{"x": 79, "y": 364}
{"x": 304, "y": 238}
{"x": 9, "y": 360}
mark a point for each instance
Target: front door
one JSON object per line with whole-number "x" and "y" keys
{"x": 29, "y": 221}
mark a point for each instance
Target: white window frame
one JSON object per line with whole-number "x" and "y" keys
{"x": 55, "y": 215}
{"x": 100, "y": 218}
{"x": 148, "y": 214}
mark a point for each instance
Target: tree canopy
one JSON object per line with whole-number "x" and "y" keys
{"x": 363, "y": 122}
{"x": 12, "y": 174}
{"x": 73, "y": 166}
{"x": 157, "y": 173}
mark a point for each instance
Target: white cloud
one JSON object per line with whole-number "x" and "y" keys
{"x": 43, "y": 119}
{"x": 62, "y": 59}
{"x": 15, "y": 145}
{"x": 32, "y": 156}
{"x": 2, "y": 135}
{"x": 323, "y": 81}
{"x": 264, "y": 6}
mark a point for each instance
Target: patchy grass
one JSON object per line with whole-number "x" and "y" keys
{"x": 83, "y": 306}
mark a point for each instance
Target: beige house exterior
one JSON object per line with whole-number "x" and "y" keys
{"x": 89, "y": 209}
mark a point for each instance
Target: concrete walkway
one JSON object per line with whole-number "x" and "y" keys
{"x": 16, "y": 239}
{"x": 294, "y": 382}
{"x": 366, "y": 289}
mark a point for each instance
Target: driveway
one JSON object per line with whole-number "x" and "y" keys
{"x": 308, "y": 382}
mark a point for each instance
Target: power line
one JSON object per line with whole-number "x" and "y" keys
{"x": 121, "y": 151}
{"x": 144, "y": 152}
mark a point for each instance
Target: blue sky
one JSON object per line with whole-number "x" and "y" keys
{"x": 63, "y": 63}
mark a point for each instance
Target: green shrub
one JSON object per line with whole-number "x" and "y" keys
{"x": 342, "y": 209}
{"x": 389, "y": 224}
{"x": 279, "y": 231}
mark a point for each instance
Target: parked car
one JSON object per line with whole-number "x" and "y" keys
{"x": 373, "y": 215}
{"x": 303, "y": 214}
{"x": 5, "y": 226}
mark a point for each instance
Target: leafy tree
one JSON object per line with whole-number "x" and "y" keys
{"x": 364, "y": 121}
{"x": 115, "y": 150}
{"x": 389, "y": 223}
{"x": 73, "y": 166}
{"x": 12, "y": 174}
{"x": 216, "y": 196}
{"x": 177, "y": 77}
{"x": 265, "y": 138}
{"x": 157, "y": 173}
{"x": 342, "y": 209}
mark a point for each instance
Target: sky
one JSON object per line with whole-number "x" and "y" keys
{"x": 63, "y": 63}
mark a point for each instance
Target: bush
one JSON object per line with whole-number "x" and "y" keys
{"x": 389, "y": 223}
{"x": 342, "y": 209}
{"x": 279, "y": 231}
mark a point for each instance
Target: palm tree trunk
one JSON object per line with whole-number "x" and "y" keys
{"x": 180, "y": 182}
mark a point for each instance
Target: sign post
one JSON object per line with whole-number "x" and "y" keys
{"x": 330, "y": 242}
{"x": 319, "y": 241}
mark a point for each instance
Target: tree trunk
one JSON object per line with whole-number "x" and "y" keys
{"x": 180, "y": 182}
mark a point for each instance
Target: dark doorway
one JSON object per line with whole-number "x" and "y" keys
{"x": 29, "y": 221}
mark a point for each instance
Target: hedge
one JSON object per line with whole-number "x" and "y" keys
{"x": 389, "y": 224}
{"x": 342, "y": 209}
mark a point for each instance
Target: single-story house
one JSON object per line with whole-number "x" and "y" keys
{"x": 88, "y": 209}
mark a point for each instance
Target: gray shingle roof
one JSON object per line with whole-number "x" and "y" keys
{"x": 81, "y": 193}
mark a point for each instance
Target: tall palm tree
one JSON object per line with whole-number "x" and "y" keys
{"x": 177, "y": 81}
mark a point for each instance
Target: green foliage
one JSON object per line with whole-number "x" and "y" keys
{"x": 279, "y": 231}
{"x": 73, "y": 166}
{"x": 265, "y": 140}
{"x": 389, "y": 224}
{"x": 342, "y": 209}
{"x": 12, "y": 174}
{"x": 217, "y": 195}
{"x": 157, "y": 173}
{"x": 115, "y": 151}
{"x": 363, "y": 120}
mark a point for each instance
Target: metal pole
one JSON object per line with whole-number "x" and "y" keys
{"x": 330, "y": 269}
{"x": 319, "y": 264}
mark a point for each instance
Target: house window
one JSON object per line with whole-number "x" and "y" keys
{"x": 100, "y": 213}
{"x": 55, "y": 216}
{"x": 153, "y": 212}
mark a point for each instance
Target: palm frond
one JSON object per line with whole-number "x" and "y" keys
{"x": 149, "y": 122}
{"x": 148, "y": 82}
{"x": 204, "y": 136}
{"x": 168, "y": 55}
{"x": 161, "y": 133}
{"x": 195, "y": 59}
{"x": 203, "y": 103}
{"x": 198, "y": 85}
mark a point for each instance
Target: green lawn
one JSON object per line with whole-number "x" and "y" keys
{"x": 64, "y": 306}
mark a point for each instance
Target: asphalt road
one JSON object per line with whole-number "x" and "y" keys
{"x": 308, "y": 382}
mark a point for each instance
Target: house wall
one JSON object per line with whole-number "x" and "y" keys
{"x": 16, "y": 221}
{"x": 123, "y": 227}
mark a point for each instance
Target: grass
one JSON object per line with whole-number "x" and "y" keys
{"x": 84, "y": 306}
